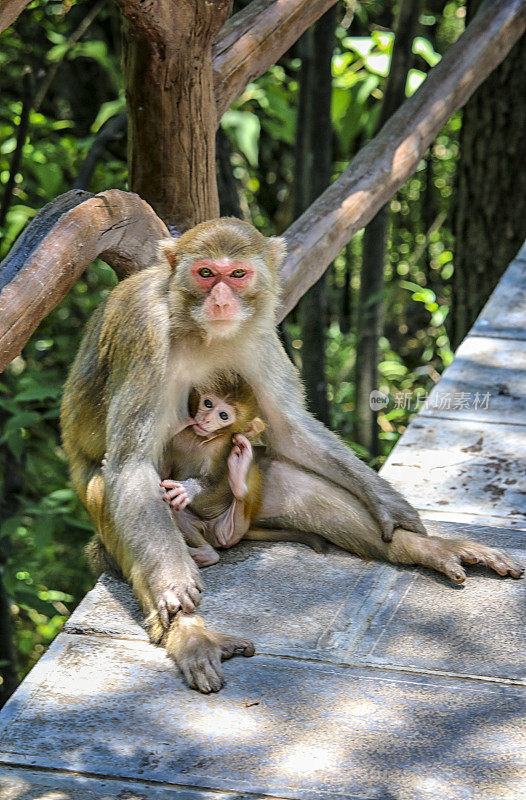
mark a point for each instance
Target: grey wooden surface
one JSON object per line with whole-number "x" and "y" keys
{"x": 370, "y": 681}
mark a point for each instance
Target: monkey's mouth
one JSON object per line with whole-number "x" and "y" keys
{"x": 199, "y": 429}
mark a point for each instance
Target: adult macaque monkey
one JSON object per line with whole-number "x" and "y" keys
{"x": 208, "y": 307}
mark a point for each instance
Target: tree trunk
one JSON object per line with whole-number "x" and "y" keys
{"x": 313, "y": 174}
{"x": 489, "y": 216}
{"x": 171, "y": 106}
{"x": 375, "y": 243}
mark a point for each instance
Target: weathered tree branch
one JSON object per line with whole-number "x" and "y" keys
{"x": 254, "y": 39}
{"x": 381, "y": 167}
{"x": 10, "y": 10}
{"x": 66, "y": 236}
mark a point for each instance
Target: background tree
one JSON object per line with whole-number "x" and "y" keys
{"x": 374, "y": 251}
{"x": 313, "y": 172}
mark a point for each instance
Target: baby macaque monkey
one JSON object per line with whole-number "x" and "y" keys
{"x": 214, "y": 483}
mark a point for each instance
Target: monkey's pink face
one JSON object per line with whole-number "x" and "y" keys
{"x": 213, "y": 414}
{"x": 222, "y": 281}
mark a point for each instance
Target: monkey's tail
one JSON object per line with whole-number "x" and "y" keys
{"x": 312, "y": 540}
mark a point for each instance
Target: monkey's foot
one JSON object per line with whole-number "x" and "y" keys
{"x": 204, "y": 556}
{"x": 447, "y": 556}
{"x": 198, "y": 652}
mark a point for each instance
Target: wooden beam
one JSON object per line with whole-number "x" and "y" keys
{"x": 381, "y": 167}
{"x": 66, "y": 236}
{"x": 10, "y": 10}
{"x": 254, "y": 39}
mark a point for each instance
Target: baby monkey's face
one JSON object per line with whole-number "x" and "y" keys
{"x": 213, "y": 413}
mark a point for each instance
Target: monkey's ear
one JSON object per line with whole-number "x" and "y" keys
{"x": 168, "y": 249}
{"x": 254, "y": 428}
{"x": 277, "y": 249}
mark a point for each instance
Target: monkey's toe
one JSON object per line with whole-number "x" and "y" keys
{"x": 497, "y": 560}
{"x": 235, "y": 646}
{"x": 203, "y": 674}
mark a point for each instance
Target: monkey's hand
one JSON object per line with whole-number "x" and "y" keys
{"x": 393, "y": 511}
{"x": 178, "y": 589}
{"x": 239, "y": 462}
{"x": 180, "y": 493}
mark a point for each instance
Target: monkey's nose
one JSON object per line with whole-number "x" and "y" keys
{"x": 223, "y": 307}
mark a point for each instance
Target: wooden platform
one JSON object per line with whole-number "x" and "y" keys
{"x": 396, "y": 685}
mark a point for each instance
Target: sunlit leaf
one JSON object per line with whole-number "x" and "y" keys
{"x": 245, "y": 128}
{"x": 422, "y": 47}
{"x": 415, "y": 78}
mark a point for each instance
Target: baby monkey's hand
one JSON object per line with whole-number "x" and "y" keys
{"x": 178, "y": 494}
{"x": 239, "y": 462}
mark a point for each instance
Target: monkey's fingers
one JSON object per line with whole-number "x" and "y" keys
{"x": 175, "y": 492}
{"x": 387, "y": 525}
{"x": 412, "y": 523}
{"x": 180, "y": 502}
{"x": 405, "y": 517}
{"x": 168, "y": 483}
{"x": 191, "y": 599}
{"x": 164, "y": 615}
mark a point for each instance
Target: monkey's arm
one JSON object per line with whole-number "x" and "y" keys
{"x": 145, "y": 541}
{"x": 244, "y": 479}
{"x": 296, "y": 435}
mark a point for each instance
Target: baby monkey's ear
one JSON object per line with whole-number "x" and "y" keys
{"x": 254, "y": 428}
{"x": 168, "y": 250}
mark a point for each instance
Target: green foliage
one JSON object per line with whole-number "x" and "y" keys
{"x": 43, "y": 519}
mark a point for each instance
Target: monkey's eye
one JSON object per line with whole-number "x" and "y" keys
{"x": 204, "y": 272}
{"x": 223, "y": 415}
{"x": 238, "y": 273}
{"x": 208, "y": 403}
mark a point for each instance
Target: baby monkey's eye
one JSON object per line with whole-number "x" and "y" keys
{"x": 238, "y": 273}
{"x": 208, "y": 403}
{"x": 206, "y": 273}
{"x": 223, "y": 415}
